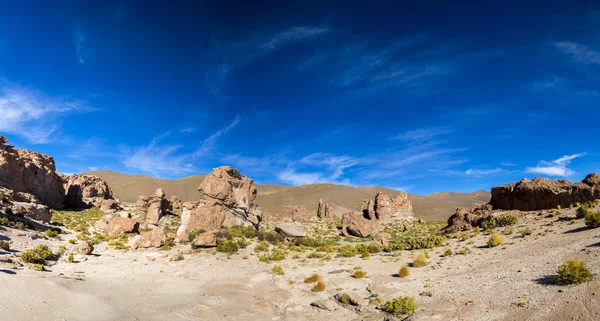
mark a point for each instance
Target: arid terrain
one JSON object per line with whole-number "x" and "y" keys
{"x": 220, "y": 255}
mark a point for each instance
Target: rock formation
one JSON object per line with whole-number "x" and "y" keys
{"x": 401, "y": 206}
{"x": 324, "y": 210}
{"x": 543, "y": 193}
{"x": 226, "y": 199}
{"x": 29, "y": 172}
{"x": 116, "y": 225}
{"x": 154, "y": 238}
{"x": 84, "y": 191}
{"x": 175, "y": 205}
{"x": 86, "y": 247}
{"x": 359, "y": 225}
{"x": 207, "y": 239}
{"x": 291, "y": 230}
{"x": 464, "y": 219}
{"x": 149, "y": 210}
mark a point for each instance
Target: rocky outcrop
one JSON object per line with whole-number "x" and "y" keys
{"x": 29, "y": 172}
{"x": 118, "y": 226}
{"x": 543, "y": 193}
{"x": 149, "y": 210}
{"x": 464, "y": 219}
{"x": 175, "y": 205}
{"x": 226, "y": 199}
{"x": 204, "y": 240}
{"x": 109, "y": 206}
{"x": 291, "y": 230}
{"x": 84, "y": 191}
{"x": 357, "y": 224}
{"x": 387, "y": 210}
{"x": 33, "y": 211}
{"x": 401, "y": 207}
{"x": 324, "y": 210}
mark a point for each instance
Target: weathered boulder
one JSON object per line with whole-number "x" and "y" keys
{"x": 109, "y": 205}
{"x": 329, "y": 305}
{"x": 149, "y": 210}
{"x": 294, "y": 229}
{"x": 206, "y": 239}
{"x": 401, "y": 207}
{"x": 86, "y": 247}
{"x": 324, "y": 210}
{"x": 175, "y": 205}
{"x": 543, "y": 193}
{"x": 30, "y": 172}
{"x": 33, "y": 211}
{"x": 102, "y": 224}
{"x": 84, "y": 191}
{"x": 356, "y": 224}
{"x": 154, "y": 238}
{"x": 121, "y": 225}
{"x": 349, "y": 298}
{"x": 464, "y": 219}
{"x": 226, "y": 199}
{"x": 387, "y": 210}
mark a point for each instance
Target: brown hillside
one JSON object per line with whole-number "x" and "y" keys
{"x": 272, "y": 197}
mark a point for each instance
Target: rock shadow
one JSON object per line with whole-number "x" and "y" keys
{"x": 576, "y": 230}
{"x": 545, "y": 280}
{"x": 8, "y": 271}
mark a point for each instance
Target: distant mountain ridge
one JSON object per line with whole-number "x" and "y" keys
{"x": 273, "y": 197}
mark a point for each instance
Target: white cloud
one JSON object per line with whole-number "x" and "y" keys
{"x": 484, "y": 172}
{"x": 81, "y": 49}
{"x": 508, "y": 164}
{"x": 422, "y": 134}
{"x": 579, "y": 52}
{"x": 32, "y": 114}
{"x": 158, "y": 159}
{"x": 558, "y": 167}
{"x": 292, "y": 35}
{"x": 208, "y": 143}
{"x": 291, "y": 176}
{"x": 188, "y": 130}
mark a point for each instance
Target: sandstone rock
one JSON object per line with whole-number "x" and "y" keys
{"x": 149, "y": 210}
{"x": 464, "y": 219}
{"x": 154, "y": 238}
{"x": 34, "y": 211}
{"x": 324, "y": 210}
{"x": 349, "y": 298}
{"x": 86, "y": 247}
{"x": 102, "y": 224}
{"x": 291, "y": 229}
{"x": 84, "y": 191}
{"x": 329, "y": 305}
{"x": 401, "y": 207}
{"x": 226, "y": 199}
{"x": 356, "y": 224}
{"x": 543, "y": 193}
{"x": 206, "y": 239}
{"x": 387, "y": 210}
{"x": 29, "y": 172}
{"x": 176, "y": 205}
{"x": 109, "y": 205}
{"x": 121, "y": 225}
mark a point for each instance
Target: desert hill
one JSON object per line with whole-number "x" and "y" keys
{"x": 272, "y": 197}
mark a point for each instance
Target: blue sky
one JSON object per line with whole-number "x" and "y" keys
{"x": 423, "y": 97}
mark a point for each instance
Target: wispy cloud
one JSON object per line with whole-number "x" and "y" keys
{"x": 579, "y": 52}
{"x": 82, "y": 50}
{"x": 32, "y": 114}
{"x": 228, "y": 55}
{"x": 209, "y": 142}
{"x": 158, "y": 159}
{"x": 294, "y": 177}
{"x": 508, "y": 164}
{"x": 558, "y": 167}
{"x": 485, "y": 172}
{"x": 423, "y": 134}
{"x": 188, "y": 130}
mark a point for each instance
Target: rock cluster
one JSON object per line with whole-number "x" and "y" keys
{"x": 226, "y": 199}
{"x": 324, "y": 210}
{"x": 464, "y": 219}
{"x": 84, "y": 191}
{"x": 149, "y": 210}
{"x": 543, "y": 193}
{"x": 377, "y": 211}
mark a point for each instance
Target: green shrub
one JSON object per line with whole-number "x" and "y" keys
{"x": 193, "y": 234}
{"x": 572, "y": 272}
{"x": 448, "y": 252}
{"x": 404, "y": 272}
{"x": 71, "y": 258}
{"x": 313, "y": 278}
{"x": 592, "y": 220}
{"x": 226, "y": 246}
{"x": 401, "y": 306}
{"x": 495, "y": 240}
{"x": 277, "y": 269}
{"x": 359, "y": 274}
{"x": 420, "y": 260}
{"x": 261, "y": 247}
{"x": 271, "y": 237}
{"x": 61, "y": 250}
{"x": 71, "y": 241}
{"x": 365, "y": 255}
{"x": 347, "y": 251}
{"x": 507, "y": 220}
{"x": 319, "y": 287}
{"x": 51, "y": 233}
{"x": 39, "y": 267}
{"x": 167, "y": 244}
{"x": 525, "y": 232}
{"x": 276, "y": 255}
{"x": 177, "y": 257}
{"x": 581, "y": 212}
{"x": 4, "y": 245}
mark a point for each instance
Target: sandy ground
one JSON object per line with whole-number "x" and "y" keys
{"x": 509, "y": 282}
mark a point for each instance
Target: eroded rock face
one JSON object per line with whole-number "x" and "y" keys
{"x": 543, "y": 193}
{"x": 84, "y": 191}
{"x": 204, "y": 240}
{"x": 387, "y": 210}
{"x": 149, "y": 210}
{"x": 176, "y": 205}
{"x": 324, "y": 210}
{"x": 401, "y": 207}
{"x": 86, "y": 247}
{"x": 357, "y": 224}
{"x": 29, "y": 172}
{"x": 34, "y": 211}
{"x": 226, "y": 199}
{"x": 120, "y": 225}
{"x": 463, "y": 219}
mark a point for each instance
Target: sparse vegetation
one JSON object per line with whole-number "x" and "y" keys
{"x": 592, "y": 220}
{"x": 404, "y": 271}
{"x": 401, "y": 306}
{"x": 38, "y": 255}
{"x": 278, "y": 270}
{"x": 582, "y": 212}
{"x": 313, "y": 278}
{"x": 495, "y": 240}
{"x": 359, "y": 274}
{"x": 572, "y": 272}
{"x": 524, "y": 232}
{"x": 5, "y": 246}
{"x": 420, "y": 260}
{"x": 347, "y": 251}
{"x": 71, "y": 258}
{"x": 447, "y": 252}
{"x": 319, "y": 287}
{"x": 177, "y": 257}
{"x": 276, "y": 255}
{"x": 51, "y": 233}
